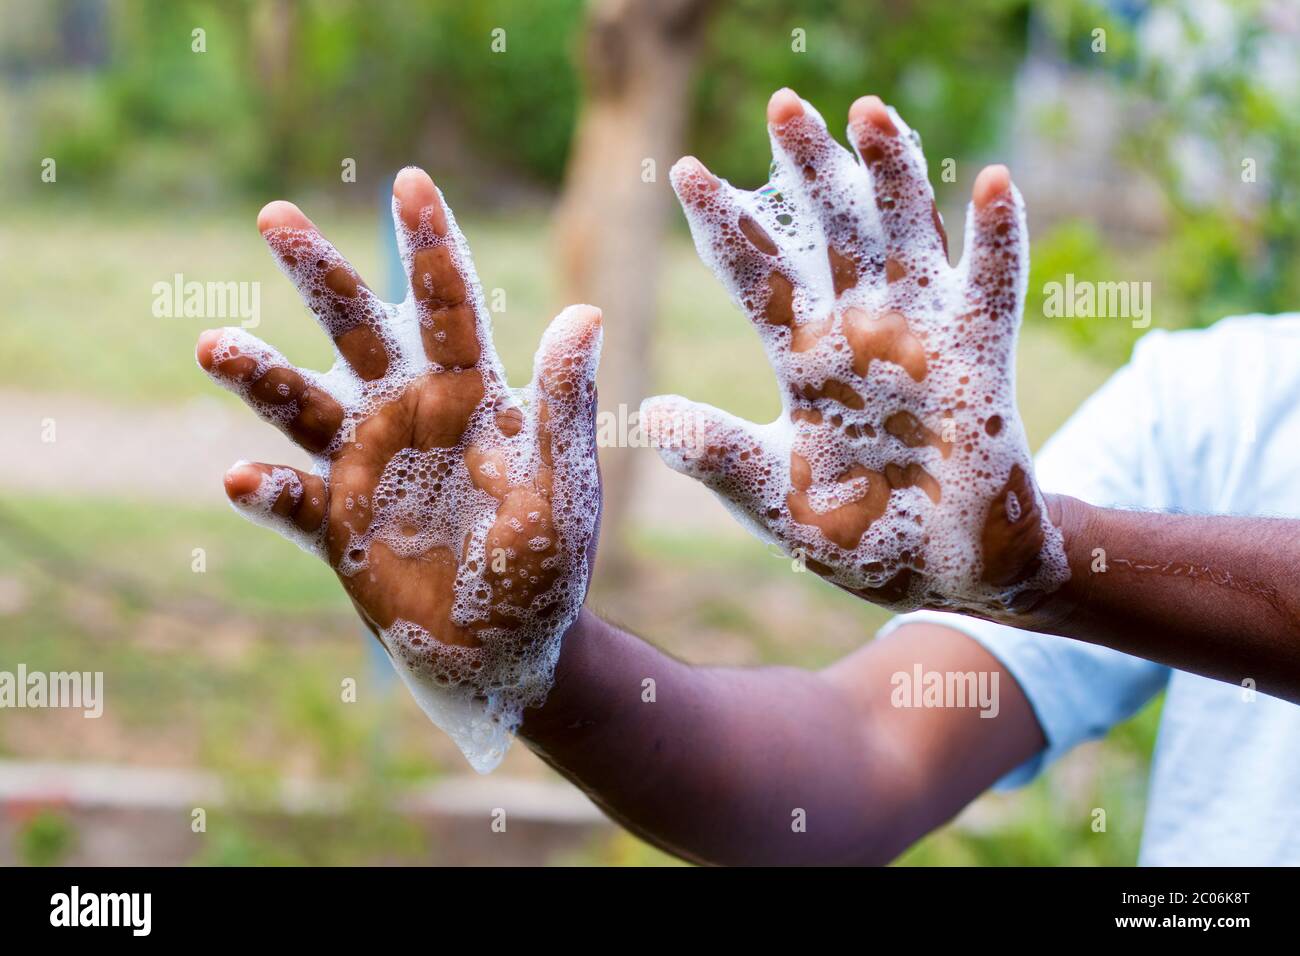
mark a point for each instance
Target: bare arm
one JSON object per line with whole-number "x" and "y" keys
{"x": 1213, "y": 595}
{"x": 716, "y": 768}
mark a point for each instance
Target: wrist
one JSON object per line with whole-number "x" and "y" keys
{"x": 1073, "y": 518}
{"x": 554, "y": 713}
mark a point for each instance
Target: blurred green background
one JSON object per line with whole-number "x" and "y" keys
{"x": 1152, "y": 141}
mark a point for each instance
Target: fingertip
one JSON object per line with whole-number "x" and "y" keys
{"x": 659, "y": 409}
{"x": 990, "y": 184}
{"x": 872, "y": 109}
{"x": 282, "y": 214}
{"x": 688, "y": 167}
{"x": 784, "y": 106}
{"x": 412, "y": 184}
{"x": 243, "y": 478}
{"x": 586, "y": 316}
{"x": 669, "y": 423}
{"x": 414, "y": 191}
{"x": 650, "y": 405}
{"x": 206, "y": 346}
{"x": 577, "y": 328}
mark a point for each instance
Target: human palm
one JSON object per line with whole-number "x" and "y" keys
{"x": 459, "y": 514}
{"x": 898, "y": 469}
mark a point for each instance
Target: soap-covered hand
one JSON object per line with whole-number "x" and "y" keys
{"x": 459, "y": 514}
{"x": 898, "y": 469}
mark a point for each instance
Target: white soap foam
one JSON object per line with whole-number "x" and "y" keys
{"x": 256, "y": 507}
{"x": 966, "y": 396}
{"x": 426, "y": 501}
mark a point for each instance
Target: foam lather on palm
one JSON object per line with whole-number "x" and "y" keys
{"x": 898, "y": 468}
{"x": 458, "y": 513}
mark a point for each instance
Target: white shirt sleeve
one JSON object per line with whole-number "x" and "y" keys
{"x": 1106, "y": 455}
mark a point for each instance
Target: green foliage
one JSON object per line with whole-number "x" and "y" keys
{"x": 236, "y": 845}
{"x": 521, "y": 104}
{"x": 45, "y": 839}
{"x": 1051, "y": 823}
{"x": 1220, "y": 123}
{"x": 1072, "y": 248}
{"x": 1076, "y": 249}
{"x": 948, "y": 75}
{"x": 285, "y": 91}
{"x": 365, "y": 832}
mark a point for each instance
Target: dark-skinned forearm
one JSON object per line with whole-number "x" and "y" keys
{"x": 1214, "y": 595}
{"x": 722, "y": 762}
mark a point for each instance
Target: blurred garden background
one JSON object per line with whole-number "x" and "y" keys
{"x": 1154, "y": 142}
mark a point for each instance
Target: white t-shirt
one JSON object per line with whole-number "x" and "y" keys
{"x": 1204, "y": 422}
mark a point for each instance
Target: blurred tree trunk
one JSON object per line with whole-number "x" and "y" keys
{"x": 637, "y": 66}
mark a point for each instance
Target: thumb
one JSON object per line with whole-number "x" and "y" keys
{"x": 728, "y": 454}
{"x": 564, "y": 369}
{"x": 564, "y": 376}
